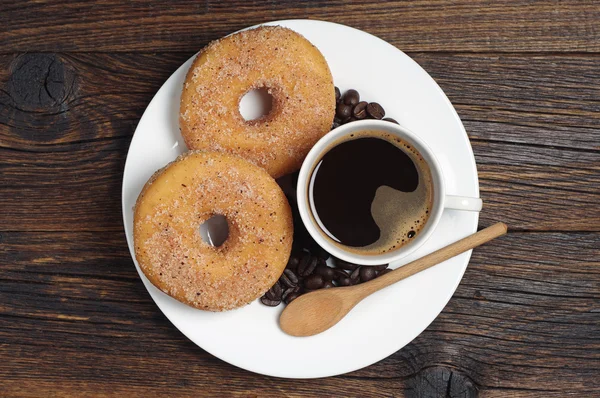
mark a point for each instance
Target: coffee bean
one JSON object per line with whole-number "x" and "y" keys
{"x": 291, "y": 276}
{"x": 309, "y": 266}
{"x": 337, "y": 94}
{"x": 291, "y": 297}
{"x": 385, "y": 271}
{"x": 288, "y": 278}
{"x": 326, "y": 272}
{"x": 317, "y": 250}
{"x": 274, "y": 293}
{"x": 367, "y": 273}
{"x": 352, "y": 119}
{"x": 343, "y": 111}
{"x": 304, "y": 260}
{"x": 314, "y": 282}
{"x": 346, "y": 281}
{"x": 293, "y": 262}
{"x": 351, "y": 97}
{"x": 335, "y": 125}
{"x": 288, "y": 291}
{"x": 345, "y": 265}
{"x": 389, "y": 119}
{"x": 271, "y": 303}
{"x": 375, "y": 110}
{"x": 328, "y": 284}
{"x": 360, "y": 110}
{"x": 355, "y": 276}
{"x": 339, "y": 273}
{"x": 379, "y": 268}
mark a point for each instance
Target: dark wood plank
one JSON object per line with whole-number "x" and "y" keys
{"x": 435, "y": 25}
{"x": 92, "y": 97}
{"x": 75, "y": 318}
{"x": 68, "y": 152}
{"x": 533, "y": 188}
{"x": 529, "y": 187}
{"x": 540, "y": 100}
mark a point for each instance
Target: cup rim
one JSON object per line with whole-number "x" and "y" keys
{"x": 318, "y": 150}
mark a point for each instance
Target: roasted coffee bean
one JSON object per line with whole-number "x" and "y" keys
{"x": 345, "y": 265}
{"x": 389, "y": 119}
{"x": 288, "y": 291}
{"x": 328, "y": 284}
{"x": 306, "y": 267}
{"x": 343, "y": 111}
{"x": 385, "y": 271}
{"x": 355, "y": 276}
{"x": 311, "y": 266}
{"x": 293, "y": 262}
{"x": 304, "y": 260}
{"x": 367, "y": 273}
{"x": 288, "y": 278}
{"x": 346, "y": 281}
{"x": 291, "y": 297}
{"x": 351, "y": 97}
{"x": 318, "y": 251}
{"x": 274, "y": 292}
{"x": 379, "y": 267}
{"x": 375, "y": 110}
{"x": 360, "y": 110}
{"x": 352, "y": 119}
{"x": 314, "y": 282}
{"x": 291, "y": 276}
{"x": 338, "y": 95}
{"x": 326, "y": 272}
{"x": 335, "y": 125}
{"x": 339, "y": 273}
{"x": 271, "y": 303}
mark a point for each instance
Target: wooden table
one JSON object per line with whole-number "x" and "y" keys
{"x": 75, "y": 78}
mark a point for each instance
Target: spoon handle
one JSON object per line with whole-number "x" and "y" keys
{"x": 443, "y": 254}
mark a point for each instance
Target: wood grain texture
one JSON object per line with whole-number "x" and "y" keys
{"x": 75, "y": 78}
{"x": 433, "y": 25}
{"x": 74, "y": 309}
{"x": 549, "y": 100}
{"x": 544, "y": 176}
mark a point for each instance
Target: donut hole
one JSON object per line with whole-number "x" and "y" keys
{"x": 256, "y": 104}
{"x": 215, "y": 230}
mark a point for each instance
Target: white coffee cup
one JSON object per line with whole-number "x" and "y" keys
{"x": 440, "y": 201}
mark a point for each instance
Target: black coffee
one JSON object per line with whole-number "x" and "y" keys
{"x": 372, "y": 192}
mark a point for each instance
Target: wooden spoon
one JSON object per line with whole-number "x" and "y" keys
{"x": 316, "y": 312}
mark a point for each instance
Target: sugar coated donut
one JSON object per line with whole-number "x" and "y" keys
{"x": 278, "y": 59}
{"x": 183, "y": 195}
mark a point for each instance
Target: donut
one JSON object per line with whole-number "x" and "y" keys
{"x": 179, "y": 198}
{"x": 289, "y": 67}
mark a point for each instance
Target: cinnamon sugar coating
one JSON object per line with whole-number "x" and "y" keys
{"x": 293, "y": 71}
{"x": 183, "y": 195}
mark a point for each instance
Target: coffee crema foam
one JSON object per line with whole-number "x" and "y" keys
{"x": 398, "y": 213}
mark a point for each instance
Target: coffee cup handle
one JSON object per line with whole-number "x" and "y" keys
{"x": 463, "y": 203}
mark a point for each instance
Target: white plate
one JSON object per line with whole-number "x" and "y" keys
{"x": 382, "y": 324}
